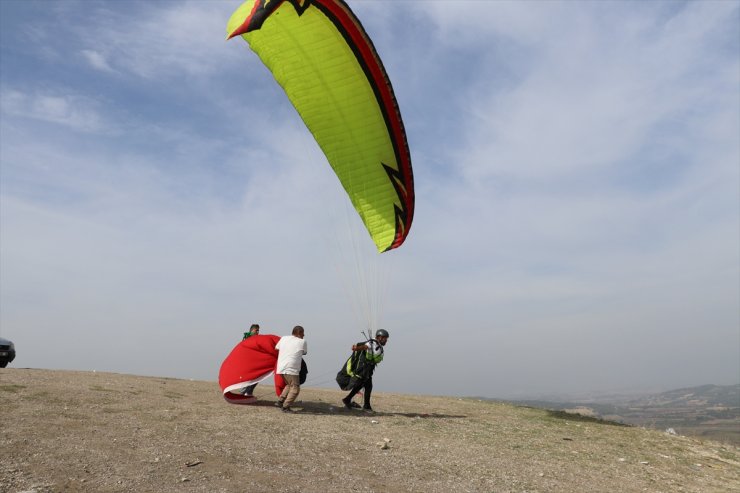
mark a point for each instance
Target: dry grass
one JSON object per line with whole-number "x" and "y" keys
{"x": 78, "y": 431}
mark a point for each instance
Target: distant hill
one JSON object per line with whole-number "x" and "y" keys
{"x": 705, "y": 396}
{"x": 706, "y": 411}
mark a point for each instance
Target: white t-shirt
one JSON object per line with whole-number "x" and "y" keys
{"x": 290, "y": 351}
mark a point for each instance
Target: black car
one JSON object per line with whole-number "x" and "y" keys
{"x": 7, "y": 352}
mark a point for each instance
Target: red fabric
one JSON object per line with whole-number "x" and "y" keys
{"x": 251, "y": 359}
{"x": 279, "y": 384}
{"x": 239, "y": 399}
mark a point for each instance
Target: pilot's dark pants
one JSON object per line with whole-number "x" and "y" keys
{"x": 367, "y": 385}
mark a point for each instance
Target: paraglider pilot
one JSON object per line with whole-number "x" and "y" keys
{"x": 357, "y": 373}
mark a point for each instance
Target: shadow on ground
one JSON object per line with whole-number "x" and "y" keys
{"x": 324, "y": 408}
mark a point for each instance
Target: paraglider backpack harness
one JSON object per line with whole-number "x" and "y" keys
{"x": 360, "y": 366}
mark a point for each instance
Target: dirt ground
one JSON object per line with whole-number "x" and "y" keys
{"x": 63, "y": 431}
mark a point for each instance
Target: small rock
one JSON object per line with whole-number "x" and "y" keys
{"x": 374, "y": 422}
{"x": 184, "y": 480}
{"x": 644, "y": 462}
{"x": 384, "y": 444}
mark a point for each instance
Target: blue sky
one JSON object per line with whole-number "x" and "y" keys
{"x": 577, "y": 170}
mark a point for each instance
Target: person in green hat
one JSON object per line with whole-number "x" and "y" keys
{"x": 254, "y": 330}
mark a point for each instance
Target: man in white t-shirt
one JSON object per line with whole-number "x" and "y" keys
{"x": 290, "y": 354}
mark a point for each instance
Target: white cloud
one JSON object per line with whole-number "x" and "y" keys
{"x": 179, "y": 39}
{"x": 471, "y": 23}
{"x": 591, "y": 99}
{"x": 97, "y": 60}
{"x": 71, "y": 110}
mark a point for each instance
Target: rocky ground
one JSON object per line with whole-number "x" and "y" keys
{"x": 63, "y": 431}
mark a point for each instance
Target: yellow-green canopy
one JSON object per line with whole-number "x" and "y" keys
{"x": 318, "y": 51}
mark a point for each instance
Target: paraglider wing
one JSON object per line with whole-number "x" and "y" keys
{"x": 318, "y": 51}
{"x": 251, "y": 361}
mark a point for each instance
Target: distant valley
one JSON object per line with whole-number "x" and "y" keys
{"x": 708, "y": 411}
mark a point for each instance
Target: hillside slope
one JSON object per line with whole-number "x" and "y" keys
{"x": 65, "y": 431}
